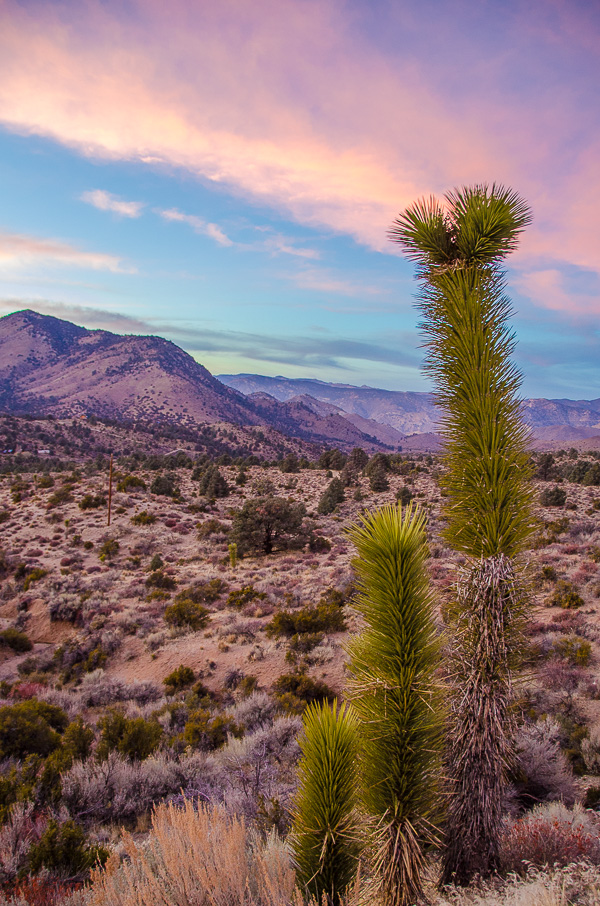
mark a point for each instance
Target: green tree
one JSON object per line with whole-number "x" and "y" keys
{"x": 324, "y": 833}
{"x": 212, "y": 483}
{"x": 266, "y": 523}
{"x": 331, "y": 496}
{"x": 458, "y": 246}
{"x": 395, "y": 694}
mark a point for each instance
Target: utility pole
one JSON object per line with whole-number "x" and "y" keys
{"x": 110, "y": 476}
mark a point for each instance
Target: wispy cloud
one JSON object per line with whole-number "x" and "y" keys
{"x": 104, "y": 201}
{"x": 198, "y": 224}
{"x": 322, "y": 281}
{"x": 304, "y": 351}
{"x": 18, "y": 251}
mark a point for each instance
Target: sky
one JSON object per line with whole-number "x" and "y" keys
{"x": 224, "y": 174}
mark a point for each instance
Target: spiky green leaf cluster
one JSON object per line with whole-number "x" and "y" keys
{"x": 469, "y": 346}
{"x": 324, "y": 835}
{"x": 395, "y": 693}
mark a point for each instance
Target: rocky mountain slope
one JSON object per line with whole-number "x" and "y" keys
{"x": 50, "y": 366}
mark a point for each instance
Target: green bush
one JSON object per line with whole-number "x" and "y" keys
{"x": 131, "y": 481}
{"x": 133, "y": 737}
{"x": 143, "y": 518}
{"x": 565, "y": 596}
{"x": 575, "y": 650}
{"x": 30, "y": 728}
{"x": 319, "y": 545}
{"x": 294, "y": 691}
{"x": 164, "y": 486}
{"x": 108, "y": 549}
{"x": 326, "y": 616}
{"x": 17, "y": 641}
{"x": 34, "y": 575}
{"x": 92, "y": 502}
{"x": 404, "y": 495}
{"x": 267, "y": 523}
{"x": 187, "y": 614}
{"x": 242, "y": 596}
{"x": 179, "y": 679}
{"x": 45, "y": 481}
{"x": 211, "y": 527}
{"x": 62, "y": 850}
{"x": 555, "y": 496}
{"x": 61, "y": 496}
{"x": 160, "y": 579}
{"x": 204, "y": 731}
{"x": 378, "y": 481}
{"x": 203, "y": 592}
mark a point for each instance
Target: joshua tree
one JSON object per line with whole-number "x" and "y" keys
{"x": 395, "y": 694}
{"x": 458, "y": 246}
{"x": 324, "y": 833}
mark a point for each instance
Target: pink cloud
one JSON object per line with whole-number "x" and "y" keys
{"x": 18, "y": 251}
{"x": 198, "y": 224}
{"x": 290, "y": 104}
{"x": 547, "y": 288}
{"x": 104, "y": 201}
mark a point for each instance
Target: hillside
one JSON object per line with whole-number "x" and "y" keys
{"x": 50, "y": 366}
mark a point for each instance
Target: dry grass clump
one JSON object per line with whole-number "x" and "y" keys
{"x": 578, "y": 884}
{"x": 195, "y": 856}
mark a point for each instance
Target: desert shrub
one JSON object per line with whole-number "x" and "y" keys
{"x": 551, "y": 834}
{"x": 203, "y": 592}
{"x": 108, "y": 549}
{"x": 302, "y": 643}
{"x": 294, "y": 691}
{"x": 34, "y": 575}
{"x": 45, "y": 481}
{"x": 134, "y": 737}
{"x": 77, "y": 739}
{"x": 319, "y": 545}
{"x": 212, "y": 527}
{"x": 131, "y": 481}
{"x": 30, "y": 728}
{"x": 555, "y": 496}
{"x": 549, "y": 573}
{"x": 404, "y": 495}
{"x": 17, "y": 641}
{"x": 575, "y": 650}
{"x": 267, "y": 523}
{"x": 179, "y": 679}
{"x": 565, "y": 596}
{"x": 331, "y": 497}
{"x": 164, "y": 486}
{"x": 98, "y": 689}
{"x": 161, "y": 580}
{"x": 143, "y": 518}
{"x": 60, "y": 497}
{"x": 203, "y": 731}
{"x": 63, "y": 850}
{"x": 590, "y": 750}
{"x": 92, "y": 502}
{"x": 326, "y": 616}
{"x": 212, "y": 484}
{"x": 242, "y": 596}
{"x": 199, "y": 848}
{"x": 542, "y": 770}
{"x": 187, "y": 614}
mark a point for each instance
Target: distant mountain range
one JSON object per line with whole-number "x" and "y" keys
{"x": 51, "y": 366}
{"x": 553, "y": 422}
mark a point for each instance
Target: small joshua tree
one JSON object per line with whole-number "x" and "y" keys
{"x": 396, "y": 696}
{"x": 458, "y": 246}
{"x": 324, "y": 833}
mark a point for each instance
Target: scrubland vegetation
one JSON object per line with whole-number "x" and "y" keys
{"x": 266, "y": 683}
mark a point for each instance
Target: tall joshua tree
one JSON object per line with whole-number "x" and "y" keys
{"x": 396, "y": 696}
{"x": 458, "y": 246}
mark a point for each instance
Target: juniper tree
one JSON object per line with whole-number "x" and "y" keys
{"x": 395, "y": 693}
{"x": 458, "y": 246}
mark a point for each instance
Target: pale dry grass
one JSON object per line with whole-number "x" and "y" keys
{"x": 574, "y": 884}
{"x": 195, "y": 856}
